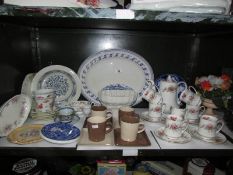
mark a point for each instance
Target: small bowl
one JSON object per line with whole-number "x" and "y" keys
{"x": 66, "y": 111}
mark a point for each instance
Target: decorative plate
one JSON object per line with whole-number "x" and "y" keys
{"x": 174, "y": 77}
{"x": 186, "y": 137}
{"x": 60, "y": 133}
{"x": 26, "y": 85}
{"x": 13, "y": 113}
{"x": 220, "y": 138}
{"x": 25, "y": 134}
{"x": 62, "y": 79}
{"x": 114, "y": 66}
{"x": 145, "y": 116}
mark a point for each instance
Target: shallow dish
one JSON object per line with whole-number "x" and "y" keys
{"x": 185, "y": 138}
{"x": 62, "y": 79}
{"x": 110, "y": 67}
{"x": 219, "y": 139}
{"x": 26, "y": 85}
{"x": 60, "y": 133}
{"x": 14, "y": 113}
{"x": 26, "y": 134}
{"x": 145, "y": 116}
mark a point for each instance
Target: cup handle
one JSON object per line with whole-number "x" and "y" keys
{"x": 181, "y": 82}
{"x": 109, "y": 127}
{"x": 109, "y": 115}
{"x": 141, "y": 127}
{"x": 193, "y": 88}
{"x": 151, "y": 84}
{"x": 202, "y": 110}
{"x": 220, "y": 125}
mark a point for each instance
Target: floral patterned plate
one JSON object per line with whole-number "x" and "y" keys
{"x": 220, "y": 138}
{"x": 186, "y": 137}
{"x": 114, "y": 66}
{"x": 13, "y": 113}
{"x": 26, "y": 85}
{"x": 62, "y": 79}
{"x": 60, "y": 133}
{"x": 26, "y": 134}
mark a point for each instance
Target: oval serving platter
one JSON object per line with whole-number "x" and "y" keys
{"x": 114, "y": 66}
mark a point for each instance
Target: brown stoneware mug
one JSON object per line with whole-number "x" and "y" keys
{"x": 125, "y": 110}
{"x": 98, "y": 126}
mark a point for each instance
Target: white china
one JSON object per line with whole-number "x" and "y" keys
{"x": 26, "y": 85}
{"x": 145, "y": 116}
{"x": 185, "y": 137}
{"x": 14, "y": 113}
{"x": 62, "y": 79}
{"x": 114, "y": 66}
{"x": 218, "y": 139}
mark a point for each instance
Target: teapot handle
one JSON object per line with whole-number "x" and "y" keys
{"x": 177, "y": 93}
{"x": 153, "y": 86}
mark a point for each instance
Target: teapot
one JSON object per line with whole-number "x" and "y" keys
{"x": 169, "y": 91}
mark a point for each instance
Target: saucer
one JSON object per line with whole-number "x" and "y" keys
{"x": 60, "y": 133}
{"x": 218, "y": 139}
{"x": 185, "y": 138}
{"x": 146, "y": 117}
{"x": 73, "y": 120}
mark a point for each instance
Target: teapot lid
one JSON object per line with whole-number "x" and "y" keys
{"x": 169, "y": 78}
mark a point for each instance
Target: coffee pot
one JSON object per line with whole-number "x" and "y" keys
{"x": 169, "y": 91}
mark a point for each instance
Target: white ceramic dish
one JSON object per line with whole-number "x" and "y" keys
{"x": 186, "y": 137}
{"x": 219, "y": 139}
{"x": 145, "y": 116}
{"x": 13, "y": 113}
{"x": 114, "y": 66}
{"x": 26, "y": 85}
{"x": 62, "y": 79}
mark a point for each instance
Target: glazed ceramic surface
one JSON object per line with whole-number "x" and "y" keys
{"x": 26, "y": 85}
{"x": 145, "y": 116}
{"x": 111, "y": 67}
{"x": 175, "y": 78}
{"x": 13, "y": 113}
{"x": 60, "y": 133}
{"x": 62, "y": 79}
{"x": 185, "y": 137}
{"x": 26, "y": 134}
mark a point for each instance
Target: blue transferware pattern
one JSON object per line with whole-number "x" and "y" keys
{"x": 60, "y": 131}
{"x": 175, "y": 78}
{"x": 109, "y": 54}
{"x": 117, "y": 87}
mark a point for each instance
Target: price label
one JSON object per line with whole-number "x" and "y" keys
{"x": 124, "y": 14}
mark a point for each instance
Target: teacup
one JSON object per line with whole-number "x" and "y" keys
{"x": 155, "y": 111}
{"x": 209, "y": 126}
{"x": 44, "y": 99}
{"x": 125, "y": 110}
{"x": 98, "y": 111}
{"x": 178, "y": 111}
{"x": 66, "y": 111}
{"x": 82, "y": 105}
{"x": 130, "y": 127}
{"x": 175, "y": 126}
{"x": 190, "y": 96}
{"x": 193, "y": 112}
{"x": 98, "y": 127}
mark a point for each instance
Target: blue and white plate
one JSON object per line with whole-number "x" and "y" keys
{"x": 60, "y": 133}
{"x": 114, "y": 66}
{"x": 175, "y": 78}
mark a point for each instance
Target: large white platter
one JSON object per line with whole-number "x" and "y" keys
{"x": 62, "y": 79}
{"x": 13, "y": 113}
{"x": 114, "y": 66}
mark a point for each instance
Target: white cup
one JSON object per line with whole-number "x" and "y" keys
{"x": 98, "y": 111}
{"x": 188, "y": 94}
{"x": 44, "y": 99}
{"x": 155, "y": 111}
{"x": 209, "y": 126}
{"x": 175, "y": 126}
{"x": 178, "y": 111}
{"x": 193, "y": 112}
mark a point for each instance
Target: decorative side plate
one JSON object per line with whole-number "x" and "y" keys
{"x": 114, "y": 66}
{"x": 60, "y": 133}
{"x": 219, "y": 139}
{"x": 13, "y": 113}
{"x": 26, "y": 85}
{"x": 174, "y": 77}
{"x": 26, "y": 134}
{"x": 62, "y": 79}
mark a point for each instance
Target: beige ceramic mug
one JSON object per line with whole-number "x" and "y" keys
{"x": 98, "y": 111}
{"x": 130, "y": 127}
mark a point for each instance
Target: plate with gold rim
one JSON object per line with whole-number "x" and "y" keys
{"x": 26, "y": 134}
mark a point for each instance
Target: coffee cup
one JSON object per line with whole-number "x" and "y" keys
{"x": 209, "y": 126}
{"x": 193, "y": 112}
{"x": 175, "y": 126}
{"x": 155, "y": 111}
{"x": 44, "y": 99}
{"x": 98, "y": 111}
{"x": 178, "y": 111}
{"x": 130, "y": 127}
{"x": 125, "y": 110}
{"x": 98, "y": 127}
{"x": 188, "y": 95}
